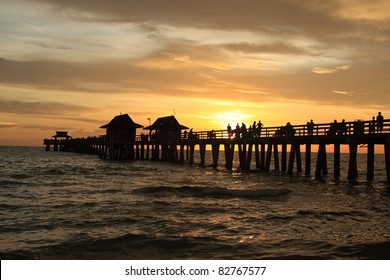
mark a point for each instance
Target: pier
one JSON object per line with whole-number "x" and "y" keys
{"x": 272, "y": 148}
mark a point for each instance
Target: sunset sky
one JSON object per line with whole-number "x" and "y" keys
{"x": 75, "y": 64}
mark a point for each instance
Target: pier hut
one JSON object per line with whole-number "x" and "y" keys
{"x": 57, "y": 141}
{"x": 166, "y": 132}
{"x": 120, "y": 137}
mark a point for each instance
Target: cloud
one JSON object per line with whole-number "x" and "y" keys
{"x": 8, "y": 124}
{"x": 322, "y": 70}
{"x": 278, "y": 47}
{"x": 40, "y": 108}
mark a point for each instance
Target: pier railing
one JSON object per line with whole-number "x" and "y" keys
{"x": 358, "y": 127}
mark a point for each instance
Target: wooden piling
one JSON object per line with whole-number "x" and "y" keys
{"x": 291, "y": 160}
{"x": 257, "y": 156}
{"x": 262, "y": 157}
{"x": 352, "y": 166}
{"x": 308, "y": 159}
{"x": 276, "y": 157}
{"x": 336, "y": 161}
{"x": 321, "y": 166}
{"x": 284, "y": 157}
{"x": 215, "y": 153}
{"x": 268, "y": 159}
{"x": 249, "y": 156}
{"x": 370, "y": 161}
{"x": 387, "y": 160}
{"x": 202, "y": 149}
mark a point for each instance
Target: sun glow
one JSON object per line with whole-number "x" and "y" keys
{"x": 222, "y": 119}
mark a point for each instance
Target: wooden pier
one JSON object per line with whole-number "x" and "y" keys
{"x": 269, "y": 146}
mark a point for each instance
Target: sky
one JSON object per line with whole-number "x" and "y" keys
{"x": 75, "y": 64}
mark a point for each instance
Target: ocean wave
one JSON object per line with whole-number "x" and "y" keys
{"x": 215, "y": 192}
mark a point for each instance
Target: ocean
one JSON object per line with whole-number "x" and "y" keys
{"x": 58, "y": 205}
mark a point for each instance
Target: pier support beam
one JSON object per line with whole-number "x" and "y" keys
{"x": 215, "y": 152}
{"x": 321, "y": 166}
{"x": 276, "y": 157}
{"x": 352, "y": 167}
{"x": 336, "y": 161}
{"x": 257, "y": 156}
{"x": 387, "y": 160}
{"x": 229, "y": 154}
{"x": 202, "y": 149}
{"x": 308, "y": 159}
{"x": 370, "y": 161}
{"x": 284, "y": 157}
{"x": 249, "y": 156}
{"x": 262, "y": 157}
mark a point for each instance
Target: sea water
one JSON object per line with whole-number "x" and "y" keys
{"x": 58, "y": 205}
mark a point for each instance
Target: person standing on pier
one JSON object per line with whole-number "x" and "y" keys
{"x": 258, "y": 129}
{"x": 371, "y": 126}
{"x": 238, "y": 131}
{"x": 229, "y": 130}
{"x": 379, "y": 122}
{"x": 342, "y": 128}
{"x": 310, "y": 127}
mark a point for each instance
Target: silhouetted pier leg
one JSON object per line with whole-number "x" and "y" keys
{"x": 308, "y": 159}
{"x": 147, "y": 151}
{"x": 229, "y": 154}
{"x": 284, "y": 157}
{"x": 156, "y": 150}
{"x": 268, "y": 160}
{"x": 202, "y": 148}
{"x": 276, "y": 157}
{"x": 249, "y": 156}
{"x": 262, "y": 157}
{"x": 137, "y": 152}
{"x": 299, "y": 158}
{"x": 142, "y": 151}
{"x": 387, "y": 160}
{"x": 181, "y": 158}
{"x": 55, "y": 147}
{"x": 48, "y": 147}
{"x": 370, "y": 162}
{"x": 321, "y": 166}
{"x": 291, "y": 160}
{"x": 336, "y": 161}
{"x": 192, "y": 150}
{"x": 215, "y": 152}
{"x": 242, "y": 155}
{"x": 257, "y": 156}
{"x": 352, "y": 167}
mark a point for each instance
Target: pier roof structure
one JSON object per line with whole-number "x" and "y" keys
{"x": 165, "y": 123}
{"x": 122, "y": 121}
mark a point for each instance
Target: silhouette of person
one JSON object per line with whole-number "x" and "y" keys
{"x": 379, "y": 122}
{"x": 371, "y": 126}
{"x": 334, "y": 127}
{"x": 310, "y": 127}
{"x": 243, "y": 130}
{"x": 237, "y": 131}
{"x": 289, "y": 130}
{"x": 229, "y": 130}
{"x": 258, "y": 128}
{"x": 342, "y": 129}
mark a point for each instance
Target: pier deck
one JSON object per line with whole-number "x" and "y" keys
{"x": 272, "y": 144}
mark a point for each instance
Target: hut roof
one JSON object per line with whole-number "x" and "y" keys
{"x": 62, "y": 134}
{"x": 166, "y": 122}
{"x": 122, "y": 121}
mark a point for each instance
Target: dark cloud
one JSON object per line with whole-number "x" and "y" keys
{"x": 276, "y": 48}
{"x": 39, "y": 108}
{"x": 311, "y": 18}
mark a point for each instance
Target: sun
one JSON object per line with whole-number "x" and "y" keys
{"x": 222, "y": 119}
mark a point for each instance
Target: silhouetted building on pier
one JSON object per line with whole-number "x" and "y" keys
{"x": 61, "y": 135}
{"x": 121, "y": 129}
{"x": 166, "y": 128}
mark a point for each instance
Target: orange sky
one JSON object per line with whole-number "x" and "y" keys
{"x": 75, "y": 64}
